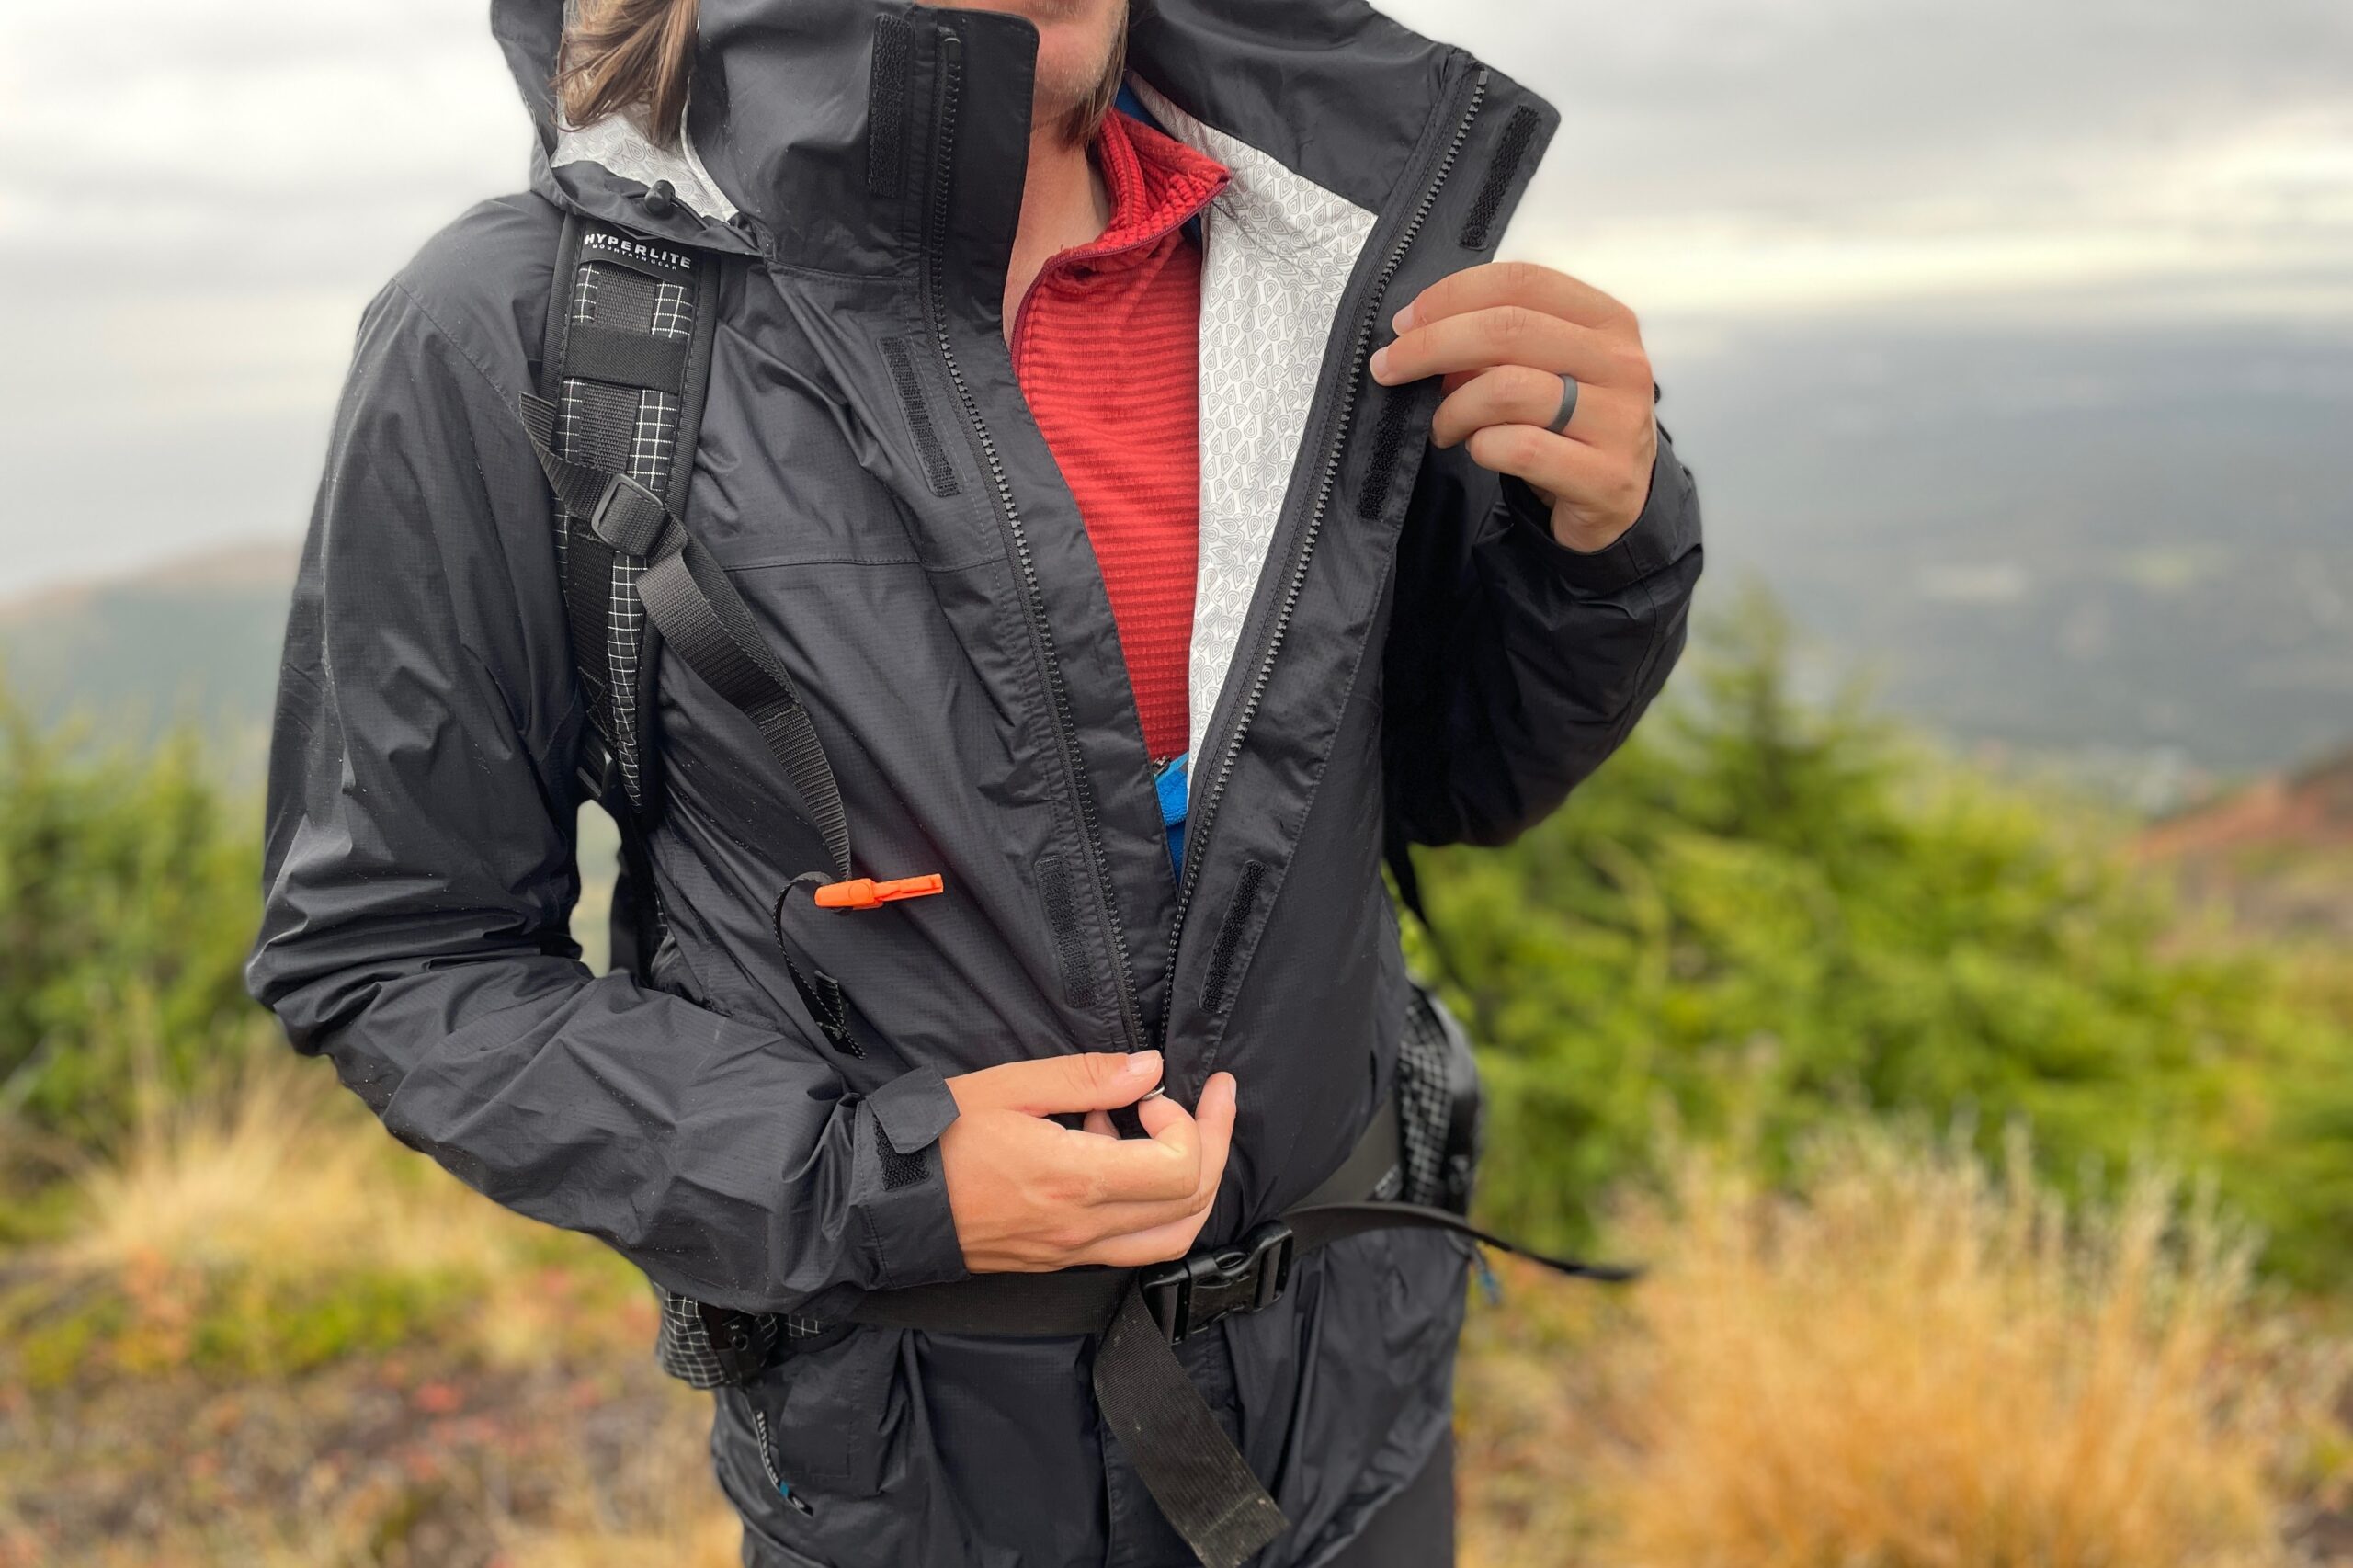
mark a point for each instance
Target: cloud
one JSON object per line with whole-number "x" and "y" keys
{"x": 203, "y": 193}
{"x": 1730, "y": 156}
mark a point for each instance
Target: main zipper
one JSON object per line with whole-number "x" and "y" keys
{"x": 1033, "y": 598}
{"x": 1205, "y": 814}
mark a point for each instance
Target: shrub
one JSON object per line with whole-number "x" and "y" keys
{"x": 1786, "y": 913}
{"x": 127, "y": 881}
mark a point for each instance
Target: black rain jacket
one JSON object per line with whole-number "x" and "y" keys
{"x": 1384, "y": 636}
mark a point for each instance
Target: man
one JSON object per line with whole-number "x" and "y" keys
{"x": 1062, "y": 455}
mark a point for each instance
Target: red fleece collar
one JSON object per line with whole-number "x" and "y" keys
{"x": 1156, "y": 184}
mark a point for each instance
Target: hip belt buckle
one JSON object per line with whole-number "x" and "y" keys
{"x": 1188, "y": 1295}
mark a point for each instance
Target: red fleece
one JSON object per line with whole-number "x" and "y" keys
{"x": 1107, "y": 344}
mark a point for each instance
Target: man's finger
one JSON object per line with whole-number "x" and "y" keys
{"x": 1211, "y": 1124}
{"x": 1541, "y": 289}
{"x": 1050, "y": 1085}
{"x": 1161, "y": 1243}
{"x": 1507, "y": 335}
{"x": 1513, "y": 394}
{"x": 1099, "y": 1123}
{"x": 1221, "y": 1099}
{"x": 1162, "y": 1168}
{"x": 1585, "y": 477}
{"x": 1157, "y": 1237}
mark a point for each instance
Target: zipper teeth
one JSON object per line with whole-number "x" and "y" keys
{"x": 767, "y": 1450}
{"x": 1033, "y": 597}
{"x": 1197, "y": 835}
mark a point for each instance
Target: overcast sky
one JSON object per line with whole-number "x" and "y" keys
{"x": 203, "y": 193}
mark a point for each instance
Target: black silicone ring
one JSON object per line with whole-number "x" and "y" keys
{"x": 1568, "y": 406}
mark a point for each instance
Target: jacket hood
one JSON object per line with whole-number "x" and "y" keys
{"x": 813, "y": 122}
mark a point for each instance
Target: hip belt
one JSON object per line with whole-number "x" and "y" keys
{"x": 1182, "y": 1455}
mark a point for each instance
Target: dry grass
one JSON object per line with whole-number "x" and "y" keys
{"x": 272, "y": 1184}
{"x": 1923, "y": 1365}
{"x": 265, "y": 1174}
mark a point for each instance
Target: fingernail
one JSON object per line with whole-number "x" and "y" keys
{"x": 1381, "y": 364}
{"x": 1143, "y": 1065}
{"x": 1402, "y": 322}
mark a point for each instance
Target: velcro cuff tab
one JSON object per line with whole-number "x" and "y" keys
{"x": 913, "y": 1110}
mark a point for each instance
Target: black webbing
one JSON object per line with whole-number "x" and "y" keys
{"x": 587, "y": 603}
{"x": 1399, "y": 852}
{"x": 1191, "y": 1468}
{"x": 705, "y": 623}
{"x": 1081, "y": 1301}
{"x": 1018, "y": 1306}
{"x": 702, "y": 619}
{"x": 1324, "y": 1224}
{"x": 1186, "y": 1461}
{"x": 623, "y": 358}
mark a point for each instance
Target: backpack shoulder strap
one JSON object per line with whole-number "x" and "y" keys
{"x": 626, "y": 364}
{"x": 619, "y": 409}
{"x": 624, "y": 371}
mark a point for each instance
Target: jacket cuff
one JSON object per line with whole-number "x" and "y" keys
{"x": 910, "y": 1230}
{"x": 1667, "y": 531}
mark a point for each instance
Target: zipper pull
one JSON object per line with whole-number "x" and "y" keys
{"x": 865, "y": 892}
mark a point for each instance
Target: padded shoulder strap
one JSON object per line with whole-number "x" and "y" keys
{"x": 625, "y": 367}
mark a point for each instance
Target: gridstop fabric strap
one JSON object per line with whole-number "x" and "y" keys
{"x": 626, "y": 350}
{"x": 627, "y": 361}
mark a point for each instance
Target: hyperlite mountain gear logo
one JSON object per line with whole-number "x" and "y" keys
{"x": 602, "y": 244}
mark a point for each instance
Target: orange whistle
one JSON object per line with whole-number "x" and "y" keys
{"x": 865, "y": 892}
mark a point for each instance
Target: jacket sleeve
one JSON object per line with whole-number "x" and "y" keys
{"x": 1515, "y": 665}
{"x": 419, "y": 879}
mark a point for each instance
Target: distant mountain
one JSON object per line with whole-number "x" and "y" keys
{"x": 191, "y": 643}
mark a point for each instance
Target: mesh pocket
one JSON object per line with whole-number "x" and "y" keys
{"x": 1438, "y": 1105}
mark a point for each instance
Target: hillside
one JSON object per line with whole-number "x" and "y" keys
{"x": 2275, "y": 856}
{"x": 193, "y": 640}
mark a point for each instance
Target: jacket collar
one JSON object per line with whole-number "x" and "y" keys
{"x": 816, "y": 132}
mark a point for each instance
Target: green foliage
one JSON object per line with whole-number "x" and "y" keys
{"x": 240, "y": 1325}
{"x": 127, "y": 896}
{"x": 1764, "y": 915}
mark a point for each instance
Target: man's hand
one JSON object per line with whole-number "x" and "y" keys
{"x": 1031, "y": 1195}
{"x": 1502, "y": 335}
